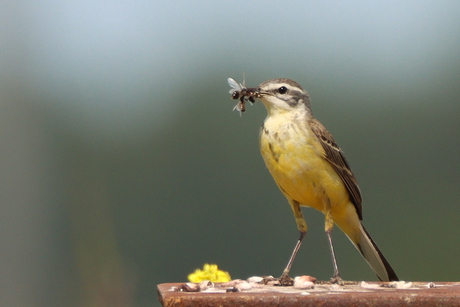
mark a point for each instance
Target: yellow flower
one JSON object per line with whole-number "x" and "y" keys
{"x": 210, "y": 272}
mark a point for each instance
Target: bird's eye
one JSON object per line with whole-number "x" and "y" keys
{"x": 282, "y": 90}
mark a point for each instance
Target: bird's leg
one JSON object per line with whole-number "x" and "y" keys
{"x": 336, "y": 279}
{"x": 285, "y": 279}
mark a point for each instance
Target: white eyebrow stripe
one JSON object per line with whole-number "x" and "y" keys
{"x": 290, "y": 87}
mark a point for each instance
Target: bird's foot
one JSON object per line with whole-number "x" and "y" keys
{"x": 336, "y": 279}
{"x": 286, "y": 280}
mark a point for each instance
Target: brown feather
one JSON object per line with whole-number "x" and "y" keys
{"x": 337, "y": 158}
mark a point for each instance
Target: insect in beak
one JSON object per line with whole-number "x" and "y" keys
{"x": 244, "y": 94}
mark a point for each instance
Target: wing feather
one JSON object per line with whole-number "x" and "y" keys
{"x": 337, "y": 158}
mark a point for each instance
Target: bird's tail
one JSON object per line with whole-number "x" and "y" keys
{"x": 374, "y": 257}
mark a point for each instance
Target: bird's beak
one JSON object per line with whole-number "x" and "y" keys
{"x": 260, "y": 93}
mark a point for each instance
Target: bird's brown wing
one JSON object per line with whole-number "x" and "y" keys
{"x": 336, "y": 157}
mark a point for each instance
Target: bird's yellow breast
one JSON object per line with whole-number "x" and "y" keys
{"x": 295, "y": 158}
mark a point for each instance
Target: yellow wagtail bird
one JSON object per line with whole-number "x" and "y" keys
{"x": 310, "y": 170}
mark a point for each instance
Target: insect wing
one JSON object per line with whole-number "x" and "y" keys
{"x": 234, "y": 85}
{"x": 240, "y": 107}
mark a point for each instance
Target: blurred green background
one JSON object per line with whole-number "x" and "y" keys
{"x": 123, "y": 165}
